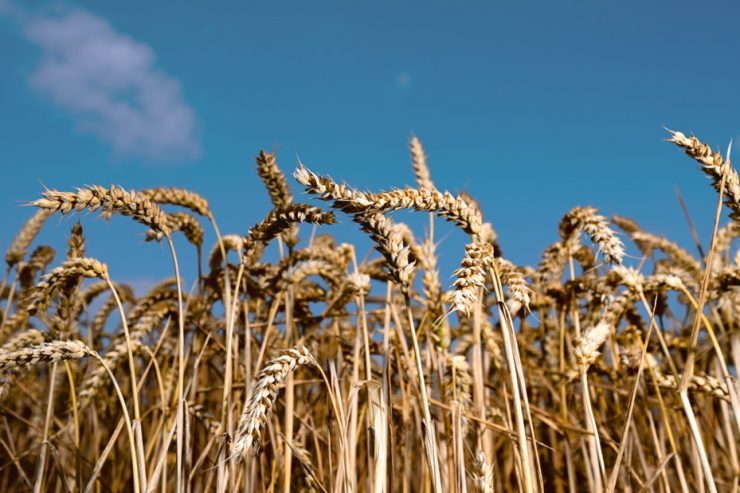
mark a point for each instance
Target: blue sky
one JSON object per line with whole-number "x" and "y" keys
{"x": 533, "y": 107}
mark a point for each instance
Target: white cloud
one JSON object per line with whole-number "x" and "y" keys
{"x": 110, "y": 84}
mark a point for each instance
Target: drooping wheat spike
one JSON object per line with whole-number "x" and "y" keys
{"x": 295, "y": 274}
{"x": 482, "y": 473}
{"x": 209, "y": 421}
{"x": 339, "y": 256}
{"x": 471, "y": 276}
{"x": 662, "y": 282}
{"x": 46, "y": 352}
{"x": 353, "y": 285}
{"x": 587, "y": 346}
{"x": 231, "y": 243}
{"x": 407, "y": 236}
{"x": 19, "y": 341}
{"x": 358, "y": 283}
{"x": 444, "y": 204}
{"x": 344, "y": 198}
{"x": 389, "y": 242}
{"x": 258, "y": 406}
{"x": 125, "y": 294}
{"x": 626, "y": 224}
{"x": 277, "y": 187}
{"x": 705, "y": 384}
{"x": 585, "y": 256}
{"x": 276, "y": 222}
{"x": 627, "y": 276}
{"x": 375, "y": 269}
{"x": 71, "y": 269}
{"x": 725, "y": 279}
{"x": 352, "y": 201}
{"x": 23, "y": 339}
{"x": 180, "y": 221}
{"x": 163, "y": 291}
{"x": 597, "y": 228}
{"x": 309, "y": 469}
{"x": 419, "y": 162}
{"x": 89, "y": 293}
{"x": 552, "y": 264}
{"x": 179, "y": 197}
{"x": 648, "y": 242}
{"x": 108, "y": 200}
{"x": 92, "y": 291}
{"x": 24, "y": 238}
{"x": 714, "y": 166}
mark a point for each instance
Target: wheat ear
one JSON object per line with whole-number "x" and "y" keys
{"x": 71, "y": 269}
{"x": 179, "y": 197}
{"x": 714, "y": 166}
{"x": 21, "y": 242}
{"x": 108, "y": 200}
{"x": 597, "y": 228}
{"x": 279, "y": 220}
{"x": 46, "y": 352}
{"x": 419, "y": 163}
{"x": 258, "y": 406}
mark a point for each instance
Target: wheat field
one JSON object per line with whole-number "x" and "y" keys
{"x": 298, "y": 363}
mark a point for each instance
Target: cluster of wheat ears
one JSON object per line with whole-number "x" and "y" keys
{"x": 314, "y": 371}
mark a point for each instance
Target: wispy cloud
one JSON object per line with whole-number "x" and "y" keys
{"x": 111, "y": 85}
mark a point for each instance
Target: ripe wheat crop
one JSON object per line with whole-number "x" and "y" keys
{"x": 297, "y": 363}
